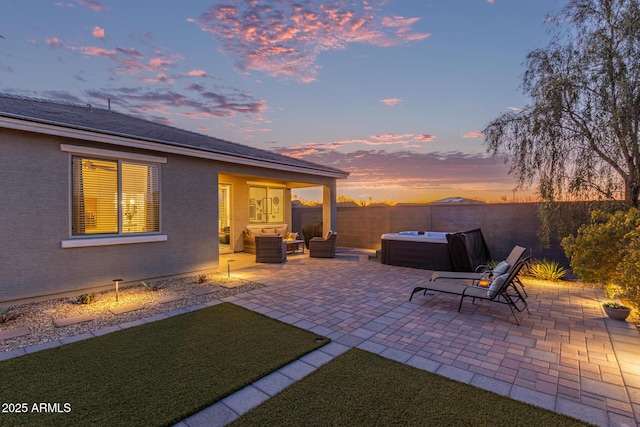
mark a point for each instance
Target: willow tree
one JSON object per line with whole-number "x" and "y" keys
{"x": 578, "y": 137}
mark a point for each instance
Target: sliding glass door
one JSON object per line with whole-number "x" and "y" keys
{"x": 224, "y": 217}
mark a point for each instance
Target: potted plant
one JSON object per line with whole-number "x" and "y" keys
{"x": 615, "y": 310}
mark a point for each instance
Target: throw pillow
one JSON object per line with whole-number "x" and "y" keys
{"x": 282, "y": 230}
{"x": 269, "y": 230}
{"x": 496, "y": 284}
{"x": 501, "y": 268}
{"x": 291, "y": 236}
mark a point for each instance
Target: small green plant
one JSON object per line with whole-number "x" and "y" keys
{"x": 612, "y": 304}
{"x": 547, "y": 270}
{"x": 86, "y": 298}
{"x": 202, "y": 278}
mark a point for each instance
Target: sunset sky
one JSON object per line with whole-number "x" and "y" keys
{"x": 394, "y": 91}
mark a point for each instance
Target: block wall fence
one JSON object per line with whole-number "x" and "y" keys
{"x": 503, "y": 225}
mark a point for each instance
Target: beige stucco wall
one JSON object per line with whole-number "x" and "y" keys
{"x": 35, "y": 218}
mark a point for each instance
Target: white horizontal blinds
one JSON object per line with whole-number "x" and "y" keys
{"x": 139, "y": 201}
{"x": 152, "y": 219}
{"x": 95, "y": 196}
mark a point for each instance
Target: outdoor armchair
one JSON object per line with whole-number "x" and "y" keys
{"x": 323, "y": 248}
{"x": 271, "y": 249}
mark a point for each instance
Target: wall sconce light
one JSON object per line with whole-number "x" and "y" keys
{"x": 229, "y": 261}
{"x": 117, "y": 282}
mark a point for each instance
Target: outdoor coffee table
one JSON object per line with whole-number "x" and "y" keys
{"x": 294, "y": 245}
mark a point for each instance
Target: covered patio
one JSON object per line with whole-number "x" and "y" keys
{"x": 566, "y": 355}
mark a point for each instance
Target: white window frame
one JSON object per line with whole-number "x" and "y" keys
{"x": 110, "y": 239}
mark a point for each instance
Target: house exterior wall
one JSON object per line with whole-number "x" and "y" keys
{"x": 35, "y": 219}
{"x": 503, "y": 225}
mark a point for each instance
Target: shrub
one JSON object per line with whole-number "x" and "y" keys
{"x": 86, "y": 298}
{"x": 202, "y": 278}
{"x": 607, "y": 250}
{"x": 547, "y": 270}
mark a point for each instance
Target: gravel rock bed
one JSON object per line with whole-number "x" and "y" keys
{"x": 39, "y": 316}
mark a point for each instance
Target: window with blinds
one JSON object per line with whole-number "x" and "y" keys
{"x": 114, "y": 197}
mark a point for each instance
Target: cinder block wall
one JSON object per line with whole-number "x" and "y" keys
{"x": 503, "y": 225}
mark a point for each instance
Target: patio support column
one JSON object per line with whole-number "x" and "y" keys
{"x": 329, "y": 208}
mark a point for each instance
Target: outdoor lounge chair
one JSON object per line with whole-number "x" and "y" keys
{"x": 323, "y": 248}
{"x": 516, "y": 253}
{"x": 498, "y": 291}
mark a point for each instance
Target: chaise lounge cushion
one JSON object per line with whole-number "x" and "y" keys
{"x": 496, "y": 284}
{"x": 501, "y": 268}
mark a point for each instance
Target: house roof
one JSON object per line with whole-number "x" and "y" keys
{"x": 88, "y": 118}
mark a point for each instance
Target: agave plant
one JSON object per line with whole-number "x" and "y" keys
{"x": 547, "y": 270}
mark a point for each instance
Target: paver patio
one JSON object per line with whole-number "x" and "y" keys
{"x": 565, "y": 356}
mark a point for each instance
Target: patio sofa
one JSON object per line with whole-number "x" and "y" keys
{"x": 249, "y": 234}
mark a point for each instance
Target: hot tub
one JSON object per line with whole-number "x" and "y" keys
{"x": 428, "y": 250}
{"x": 433, "y": 250}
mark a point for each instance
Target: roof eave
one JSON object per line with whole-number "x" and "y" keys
{"x": 29, "y": 125}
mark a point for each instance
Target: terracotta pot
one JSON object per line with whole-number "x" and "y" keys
{"x": 617, "y": 313}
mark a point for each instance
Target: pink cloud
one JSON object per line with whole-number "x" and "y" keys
{"x": 491, "y": 1}
{"x": 301, "y": 151}
{"x": 98, "y": 32}
{"x": 193, "y": 101}
{"x": 97, "y": 51}
{"x": 54, "y": 42}
{"x": 425, "y": 137}
{"x": 283, "y": 38}
{"x": 406, "y": 140}
{"x": 473, "y": 134}
{"x": 398, "y": 21}
{"x": 93, "y": 5}
{"x": 391, "y": 101}
{"x": 159, "y": 78}
{"x": 197, "y": 73}
{"x": 391, "y": 137}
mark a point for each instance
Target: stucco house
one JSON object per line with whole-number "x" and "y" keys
{"x": 89, "y": 195}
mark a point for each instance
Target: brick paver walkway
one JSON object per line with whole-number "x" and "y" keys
{"x": 565, "y": 356}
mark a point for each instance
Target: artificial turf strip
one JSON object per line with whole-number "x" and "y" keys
{"x": 360, "y": 388}
{"x": 151, "y": 375}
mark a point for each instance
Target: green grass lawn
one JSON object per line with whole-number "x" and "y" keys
{"x": 150, "y": 375}
{"x": 362, "y": 389}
